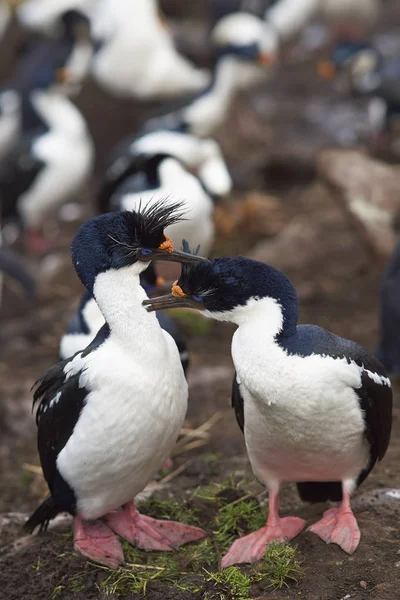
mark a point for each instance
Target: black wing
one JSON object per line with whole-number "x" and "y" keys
{"x": 17, "y": 174}
{"x": 60, "y": 401}
{"x": 237, "y": 403}
{"x": 375, "y": 398}
{"x": 376, "y": 402}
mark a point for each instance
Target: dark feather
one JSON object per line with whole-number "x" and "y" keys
{"x": 237, "y": 403}
{"x": 124, "y": 169}
{"x": 60, "y": 402}
{"x": 42, "y": 516}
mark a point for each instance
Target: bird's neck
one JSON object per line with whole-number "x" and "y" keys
{"x": 213, "y": 105}
{"x": 256, "y": 351}
{"x": 58, "y": 112}
{"x": 119, "y": 296}
{"x": 266, "y": 315}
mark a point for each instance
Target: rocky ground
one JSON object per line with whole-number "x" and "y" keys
{"x": 289, "y": 209}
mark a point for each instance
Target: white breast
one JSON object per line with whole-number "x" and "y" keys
{"x": 302, "y": 416}
{"x": 127, "y": 428}
{"x": 157, "y": 69}
{"x": 68, "y": 153}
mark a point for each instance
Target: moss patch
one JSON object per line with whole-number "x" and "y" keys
{"x": 194, "y": 568}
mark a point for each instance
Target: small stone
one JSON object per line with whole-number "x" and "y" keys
{"x": 397, "y": 564}
{"x": 363, "y": 584}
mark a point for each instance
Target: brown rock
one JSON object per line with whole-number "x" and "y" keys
{"x": 369, "y": 190}
{"x": 256, "y": 213}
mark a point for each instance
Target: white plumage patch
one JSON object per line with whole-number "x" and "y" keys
{"x": 303, "y": 421}
{"x": 67, "y": 151}
{"x": 136, "y": 401}
{"x": 379, "y": 379}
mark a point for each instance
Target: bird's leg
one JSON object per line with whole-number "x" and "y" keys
{"x": 98, "y": 542}
{"x": 339, "y": 526}
{"x": 150, "y": 534}
{"x": 252, "y": 547}
{"x": 167, "y": 464}
{"x": 36, "y": 243}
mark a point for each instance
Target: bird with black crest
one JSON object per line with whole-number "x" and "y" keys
{"x": 109, "y": 416}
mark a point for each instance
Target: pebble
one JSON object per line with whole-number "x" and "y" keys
{"x": 363, "y": 584}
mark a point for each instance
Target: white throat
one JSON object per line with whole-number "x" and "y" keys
{"x": 264, "y": 313}
{"x": 209, "y": 111}
{"x": 120, "y": 296}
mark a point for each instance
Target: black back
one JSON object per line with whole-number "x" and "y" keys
{"x": 60, "y": 401}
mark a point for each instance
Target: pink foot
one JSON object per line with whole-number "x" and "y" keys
{"x": 338, "y": 527}
{"x": 96, "y": 541}
{"x": 36, "y": 243}
{"x": 167, "y": 464}
{"x": 252, "y": 547}
{"x": 151, "y": 534}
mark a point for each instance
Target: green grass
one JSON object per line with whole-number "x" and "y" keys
{"x": 193, "y": 323}
{"x": 170, "y": 510}
{"x": 236, "y": 519}
{"x": 194, "y": 568}
{"x": 237, "y": 582}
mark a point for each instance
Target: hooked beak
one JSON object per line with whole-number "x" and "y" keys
{"x": 266, "y": 60}
{"x": 326, "y": 69}
{"x": 176, "y": 256}
{"x": 168, "y": 301}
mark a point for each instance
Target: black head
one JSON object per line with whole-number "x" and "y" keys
{"x": 247, "y": 38}
{"x": 75, "y": 26}
{"x": 43, "y": 64}
{"x": 117, "y": 240}
{"x": 347, "y": 50}
{"x": 224, "y": 286}
{"x": 343, "y": 55}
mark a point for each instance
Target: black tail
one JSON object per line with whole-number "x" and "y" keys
{"x": 320, "y": 491}
{"x": 42, "y": 516}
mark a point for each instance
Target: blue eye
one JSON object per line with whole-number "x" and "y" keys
{"x": 146, "y": 251}
{"x": 197, "y": 298}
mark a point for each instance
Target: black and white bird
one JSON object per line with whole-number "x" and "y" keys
{"x": 152, "y": 178}
{"x": 247, "y": 52}
{"x": 73, "y": 39}
{"x": 88, "y": 319}
{"x": 388, "y": 350}
{"x": 52, "y": 162}
{"x": 202, "y": 157}
{"x": 137, "y": 57}
{"x": 367, "y": 73}
{"x": 109, "y": 416}
{"x": 315, "y": 408}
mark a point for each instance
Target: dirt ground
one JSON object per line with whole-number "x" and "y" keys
{"x": 270, "y": 142}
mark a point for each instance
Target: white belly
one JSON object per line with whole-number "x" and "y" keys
{"x": 68, "y": 168}
{"x": 317, "y": 439}
{"x": 127, "y": 428}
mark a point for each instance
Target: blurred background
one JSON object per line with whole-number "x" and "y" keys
{"x": 282, "y": 117}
